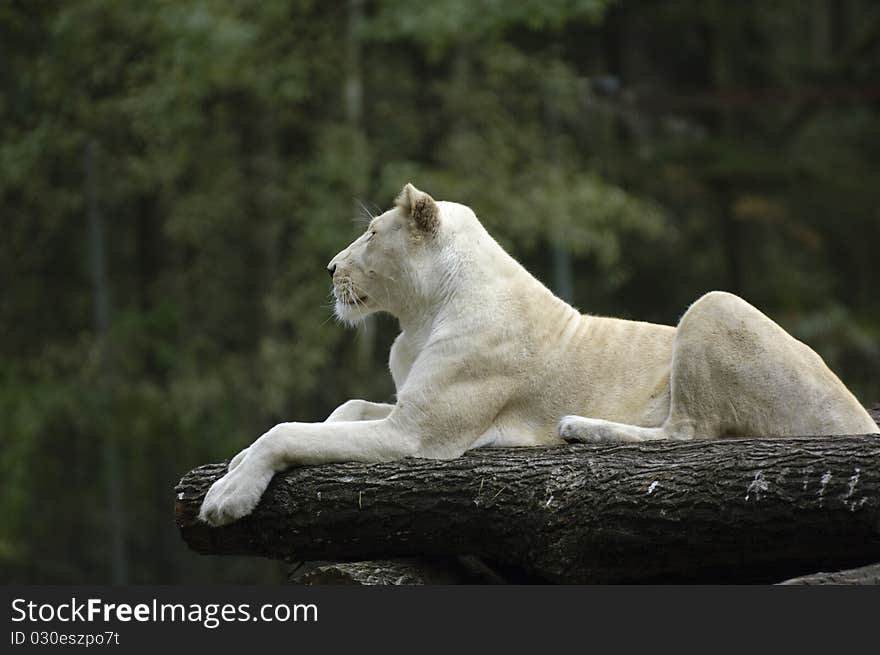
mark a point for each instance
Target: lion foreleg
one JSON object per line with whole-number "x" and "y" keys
{"x": 350, "y": 410}
{"x": 238, "y": 492}
{"x": 360, "y": 410}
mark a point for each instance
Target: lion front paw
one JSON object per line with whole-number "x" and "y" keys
{"x": 238, "y": 459}
{"x": 234, "y": 495}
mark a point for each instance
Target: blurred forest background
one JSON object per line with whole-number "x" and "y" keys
{"x": 174, "y": 177}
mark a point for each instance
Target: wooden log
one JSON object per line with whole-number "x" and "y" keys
{"x": 748, "y": 510}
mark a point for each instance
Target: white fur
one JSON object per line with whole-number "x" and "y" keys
{"x": 487, "y": 356}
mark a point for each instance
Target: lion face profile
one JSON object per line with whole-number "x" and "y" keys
{"x": 394, "y": 264}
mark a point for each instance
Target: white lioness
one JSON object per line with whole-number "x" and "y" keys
{"x": 488, "y": 356}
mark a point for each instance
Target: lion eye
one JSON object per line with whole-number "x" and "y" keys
{"x": 371, "y": 234}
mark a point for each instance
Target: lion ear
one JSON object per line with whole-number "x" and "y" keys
{"x": 421, "y": 207}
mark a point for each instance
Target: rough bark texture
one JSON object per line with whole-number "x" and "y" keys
{"x": 864, "y": 575}
{"x": 751, "y": 510}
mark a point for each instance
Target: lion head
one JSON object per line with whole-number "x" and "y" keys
{"x": 394, "y": 264}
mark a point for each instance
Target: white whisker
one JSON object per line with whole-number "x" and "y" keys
{"x": 367, "y": 212}
{"x": 366, "y": 216}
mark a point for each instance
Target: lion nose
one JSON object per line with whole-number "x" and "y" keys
{"x": 331, "y": 269}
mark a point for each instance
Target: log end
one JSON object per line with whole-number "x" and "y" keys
{"x": 188, "y": 496}
{"x": 258, "y": 534}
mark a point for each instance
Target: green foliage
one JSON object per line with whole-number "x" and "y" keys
{"x": 739, "y": 152}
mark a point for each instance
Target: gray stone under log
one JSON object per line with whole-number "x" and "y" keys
{"x": 864, "y": 575}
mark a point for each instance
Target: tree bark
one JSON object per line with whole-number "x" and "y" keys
{"x": 749, "y": 510}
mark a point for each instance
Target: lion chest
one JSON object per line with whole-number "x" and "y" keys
{"x": 400, "y": 359}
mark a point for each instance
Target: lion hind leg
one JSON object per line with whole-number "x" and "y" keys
{"x": 578, "y": 429}
{"x": 736, "y": 373}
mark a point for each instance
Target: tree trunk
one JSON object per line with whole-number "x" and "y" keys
{"x": 101, "y": 286}
{"x": 749, "y": 510}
